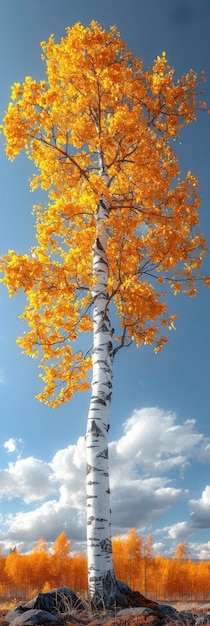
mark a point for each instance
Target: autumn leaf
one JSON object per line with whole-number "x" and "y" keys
{"x": 100, "y": 128}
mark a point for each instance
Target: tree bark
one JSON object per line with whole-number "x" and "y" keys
{"x": 101, "y": 578}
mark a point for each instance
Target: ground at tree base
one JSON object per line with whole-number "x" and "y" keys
{"x": 62, "y": 607}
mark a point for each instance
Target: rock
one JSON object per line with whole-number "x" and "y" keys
{"x": 60, "y": 600}
{"x": 64, "y": 606}
{"x": 135, "y": 598}
{"x": 140, "y": 610}
{"x": 167, "y": 609}
{"x": 32, "y": 616}
{"x": 187, "y": 614}
{"x": 187, "y": 617}
{"x": 14, "y": 613}
{"x": 47, "y": 607}
{"x": 204, "y": 619}
{"x": 123, "y": 587}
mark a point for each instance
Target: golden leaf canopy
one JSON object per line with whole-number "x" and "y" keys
{"x": 99, "y": 111}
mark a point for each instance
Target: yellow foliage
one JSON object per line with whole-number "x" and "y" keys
{"x": 98, "y": 109}
{"x": 162, "y": 578}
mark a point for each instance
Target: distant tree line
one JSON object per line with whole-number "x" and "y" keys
{"x": 160, "y": 578}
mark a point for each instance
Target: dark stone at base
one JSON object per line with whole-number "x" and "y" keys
{"x": 60, "y": 605}
{"x": 205, "y": 619}
{"x": 32, "y": 616}
{"x": 46, "y": 607}
{"x": 56, "y": 601}
{"x": 135, "y": 598}
{"x": 167, "y": 610}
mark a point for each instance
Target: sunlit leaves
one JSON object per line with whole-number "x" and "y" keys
{"x": 46, "y": 567}
{"x": 99, "y": 110}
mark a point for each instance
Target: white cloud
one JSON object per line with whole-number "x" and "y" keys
{"x": 200, "y": 517}
{"x": 152, "y": 445}
{"x": 157, "y": 443}
{"x": 141, "y": 504}
{"x": 30, "y": 479}
{"x": 159, "y": 548}
{"x": 14, "y": 445}
{"x": 47, "y": 521}
{"x": 10, "y": 444}
{"x": 145, "y": 500}
{"x": 179, "y": 531}
{"x": 201, "y": 550}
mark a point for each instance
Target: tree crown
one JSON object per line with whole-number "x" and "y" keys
{"x": 101, "y": 128}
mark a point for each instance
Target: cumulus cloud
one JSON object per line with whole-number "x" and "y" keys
{"x": 200, "y": 517}
{"x": 69, "y": 466}
{"x": 179, "y": 531}
{"x": 10, "y": 444}
{"x": 47, "y": 520}
{"x": 141, "y": 504}
{"x": 30, "y": 479}
{"x": 13, "y": 445}
{"x": 145, "y": 500}
{"x": 156, "y": 441}
{"x": 201, "y": 551}
{"x": 152, "y": 445}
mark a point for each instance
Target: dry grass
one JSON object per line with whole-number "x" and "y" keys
{"x": 82, "y": 612}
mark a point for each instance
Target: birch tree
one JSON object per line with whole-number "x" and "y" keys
{"x": 120, "y": 227}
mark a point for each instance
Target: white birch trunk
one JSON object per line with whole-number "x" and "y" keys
{"x": 101, "y": 578}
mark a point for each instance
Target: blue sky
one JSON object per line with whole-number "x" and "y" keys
{"x": 160, "y": 426}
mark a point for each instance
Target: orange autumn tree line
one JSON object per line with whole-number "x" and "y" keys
{"x": 22, "y": 575}
{"x": 158, "y": 577}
